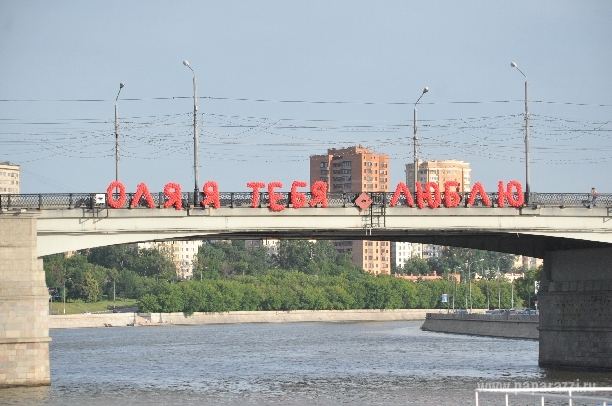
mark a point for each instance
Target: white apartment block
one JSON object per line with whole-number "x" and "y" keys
{"x": 182, "y": 254}
{"x": 271, "y": 244}
{"x": 440, "y": 172}
{"x": 523, "y": 261}
{"x": 9, "y": 178}
{"x": 432, "y": 251}
{"x": 401, "y": 252}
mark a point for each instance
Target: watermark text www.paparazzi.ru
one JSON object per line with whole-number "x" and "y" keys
{"x": 533, "y": 385}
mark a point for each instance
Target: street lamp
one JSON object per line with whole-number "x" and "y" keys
{"x": 488, "y": 296}
{"x": 498, "y": 282}
{"x": 527, "y": 188}
{"x": 117, "y": 133}
{"x": 114, "y": 278}
{"x": 469, "y": 264}
{"x": 196, "y": 189}
{"x": 455, "y": 284}
{"x": 64, "y": 294}
{"x": 415, "y": 139}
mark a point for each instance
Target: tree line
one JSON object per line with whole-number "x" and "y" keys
{"x": 303, "y": 275}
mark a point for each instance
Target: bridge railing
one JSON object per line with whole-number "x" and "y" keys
{"x": 569, "y": 200}
{"x": 244, "y": 199}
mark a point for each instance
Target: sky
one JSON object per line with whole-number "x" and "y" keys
{"x": 280, "y": 81}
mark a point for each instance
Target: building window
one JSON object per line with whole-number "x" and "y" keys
{"x": 324, "y": 164}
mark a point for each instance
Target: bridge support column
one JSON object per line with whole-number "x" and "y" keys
{"x": 24, "y": 301}
{"x": 575, "y": 301}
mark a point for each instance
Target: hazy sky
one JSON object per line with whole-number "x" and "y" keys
{"x": 270, "y": 74}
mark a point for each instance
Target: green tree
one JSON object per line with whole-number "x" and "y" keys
{"x": 416, "y": 266}
{"x": 152, "y": 263}
{"x": 294, "y": 254}
{"x": 149, "y": 304}
{"x": 87, "y": 287}
{"x": 113, "y": 256}
{"x": 524, "y": 287}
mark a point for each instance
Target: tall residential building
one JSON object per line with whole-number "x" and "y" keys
{"x": 440, "y": 172}
{"x": 356, "y": 169}
{"x": 182, "y": 254}
{"x": 401, "y": 252}
{"x": 9, "y": 178}
{"x": 353, "y": 169}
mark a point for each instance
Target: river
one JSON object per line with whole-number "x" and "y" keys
{"x": 365, "y": 363}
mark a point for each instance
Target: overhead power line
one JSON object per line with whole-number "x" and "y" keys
{"x": 244, "y": 99}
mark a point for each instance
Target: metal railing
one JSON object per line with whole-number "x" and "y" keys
{"x": 243, "y": 199}
{"x": 568, "y": 394}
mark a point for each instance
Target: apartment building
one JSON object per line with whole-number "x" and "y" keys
{"x": 182, "y": 254}
{"x": 353, "y": 170}
{"x": 523, "y": 261}
{"x": 432, "y": 251}
{"x": 10, "y": 178}
{"x": 440, "y": 172}
{"x": 271, "y": 244}
{"x": 401, "y": 252}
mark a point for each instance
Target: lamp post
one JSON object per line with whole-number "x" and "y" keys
{"x": 529, "y": 289}
{"x": 415, "y": 139}
{"x": 114, "y": 278}
{"x": 455, "y": 284}
{"x": 527, "y": 187}
{"x": 64, "y": 294}
{"x": 498, "y": 282}
{"x": 488, "y": 297}
{"x": 196, "y": 189}
{"x": 469, "y": 264}
{"x": 121, "y": 85}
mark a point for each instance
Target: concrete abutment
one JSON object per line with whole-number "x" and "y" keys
{"x": 24, "y": 313}
{"x": 575, "y": 301}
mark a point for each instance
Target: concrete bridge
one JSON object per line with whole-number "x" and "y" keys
{"x": 574, "y": 240}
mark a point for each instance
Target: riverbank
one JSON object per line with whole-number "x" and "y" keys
{"x": 168, "y": 319}
{"x": 505, "y": 326}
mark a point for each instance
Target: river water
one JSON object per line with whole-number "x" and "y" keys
{"x": 365, "y": 363}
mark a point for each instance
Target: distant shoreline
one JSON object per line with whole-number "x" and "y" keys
{"x": 169, "y": 319}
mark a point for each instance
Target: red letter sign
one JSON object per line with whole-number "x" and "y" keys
{"x": 255, "y": 186}
{"x": 319, "y": 194}
{"x": 451, "y": 197}
{"x": 478, "y": 189}
{"x": 298, "y": 199}
{"x": 432, "y": 201}
{"x": 401, "y": 188}
{"x": 211, "y": 193}
{"x": 143, "y": 190}
{"x": 173, "y": 193}
{"x": 115, "y": 204}
{"x": 508, "y": 195}
{"x": 275, "y": 197}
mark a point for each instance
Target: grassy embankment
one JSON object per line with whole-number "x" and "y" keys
{"x": 79, "y": 307}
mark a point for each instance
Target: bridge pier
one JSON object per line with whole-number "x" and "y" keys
{"x": 24, "y": 312}
{"x": 575, "y": 301}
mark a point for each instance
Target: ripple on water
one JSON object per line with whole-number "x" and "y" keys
{"x": 391, "y": 363}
